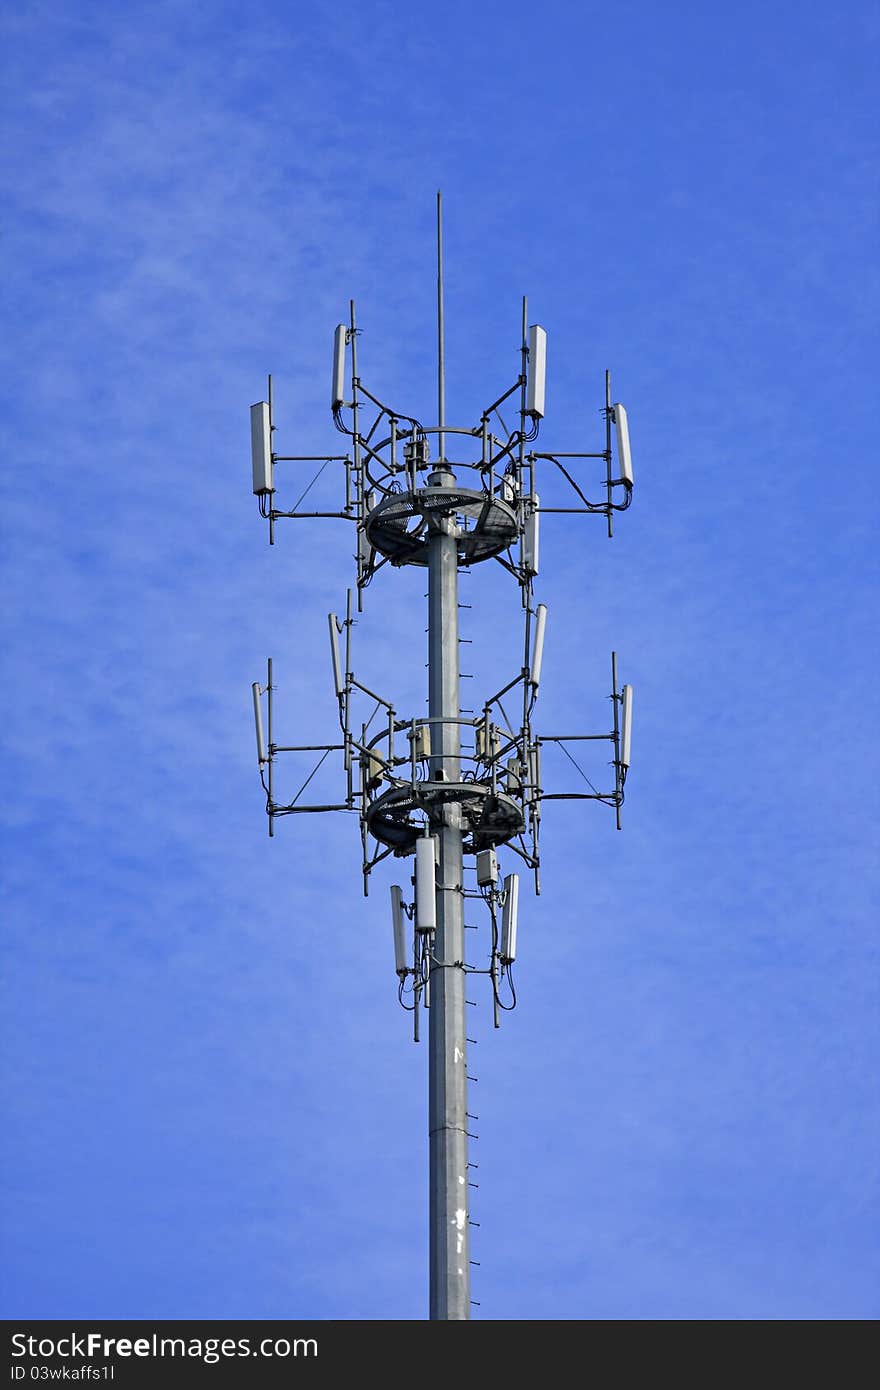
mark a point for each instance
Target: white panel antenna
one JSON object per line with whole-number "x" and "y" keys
{"x": 537, "y": 376}
{"x": 426, "y": 884}
{"x": 337, "y": 392}
{"x": 624, "y": 457}
{"x": 535, "y": 775}
{"x": 258, "y": 721}
{"x": 538, "y": 648}
{"x": 509, "y": 915}
{"x": 334, "y": 653}
{"x": 261, "y": 447}
{"x": 531, "y": 537}
{"x": 399, "y": 920}
{"x": 626, "y": 696}
{"x": 365, "y": 550}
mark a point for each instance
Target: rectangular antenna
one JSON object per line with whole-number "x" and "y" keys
{"x": 538, "y": 649}
{"x": 531, "y": 538}
{"x": 334, "y": 652}
{"x": 364, "y": 549}
{"x": 537, "y": 371}
{"x": 398, "y": 917}
{"x": 426, "y": 885}
{"x": 337, "y": 392}
{"x": 261, "y": 447}
{"x": 624, "y": 457}
{"x": 535, "y": 773}
{"x": 509, "y": 915}
{"x": 258, "y": 721}
{"x": 626, "y": 696}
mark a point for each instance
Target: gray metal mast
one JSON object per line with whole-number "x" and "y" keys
{"x": 447, "y": 1039}
{"x": 446, "y": 789}
{"x": 447, "y": 1092}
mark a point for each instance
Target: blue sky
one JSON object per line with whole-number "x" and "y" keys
{"x": 214, "y": 1108}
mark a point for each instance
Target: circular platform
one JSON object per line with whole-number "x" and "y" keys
{"x": 488, "y": 818}
{"x": 398, "y": 528}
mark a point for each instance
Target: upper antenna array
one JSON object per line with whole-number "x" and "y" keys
{"x": 397, "y": 497}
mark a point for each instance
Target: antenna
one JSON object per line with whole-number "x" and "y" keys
{"x": 538, "y": 649}
{"x": 626, "y": 699}
{"x": 337, "y": 391}
{"x": 334, "y": 626}
{"x": 454, "y": 790}
{"x": 535, "y": 771}
{"x": 258, "y": 721}
{"x": 509, "y": 916}
{"x": 537, "y": 371}
{"x": 624, "y": 458}
{"x": 441, "y": 353}
{"x": 400, "y": 942}
{"x": 531, "y": 537}
{"x": 426, "y": 885}
{"x": 261, "y": 447}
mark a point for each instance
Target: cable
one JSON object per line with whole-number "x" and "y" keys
{"x": 591, "y": 506}
{"x": 508, "y": 975}
{"x": 402, "y": 990}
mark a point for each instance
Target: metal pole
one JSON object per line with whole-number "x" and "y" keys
{"x": 616, "y": 736}
{"x": 447, "y": 1044}
{"x": 441, "y": 354}
{"x": 609, "y": 514}
{"x": 271, "y": 749}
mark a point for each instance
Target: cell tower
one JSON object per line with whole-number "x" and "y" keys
{"x": 446, "y": 790}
